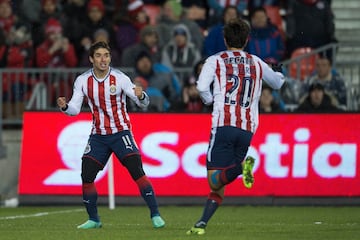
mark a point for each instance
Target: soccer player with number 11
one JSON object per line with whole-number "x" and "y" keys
{"x": 106, "y": 90}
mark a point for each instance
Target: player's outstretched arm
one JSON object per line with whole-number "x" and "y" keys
{"x": 273, "y": 76}
{"x": 72, "y": 107}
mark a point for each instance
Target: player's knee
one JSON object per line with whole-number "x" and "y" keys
{"x": 89, "y": 170}
{"x": 232, "y": 173}
{"x": 134, "y": 166}
{"x": 214, "y": 180}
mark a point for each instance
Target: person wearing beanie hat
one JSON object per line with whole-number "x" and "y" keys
{"x": 49, "y": 9}
{"x": 149, "y": 42}
{"x": 180, "y": 51}
{"x": 56, "y": 50}
{"x": 96, "y": 18}
{"x": 137, "y": 15}
{"x": 176, "y": 7}
{"x": 135, "y": 7}
{"x": 53, "y": 26}
{"x": 128, "y": 25}
{"x": 159, "y": 81}
{"x": 171, "y": 15}
{"x": 98, "y": 4}
{"x": 16, "y": 51}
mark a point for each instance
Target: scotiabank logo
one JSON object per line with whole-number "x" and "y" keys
{"x": 272, "y": 150}
{"x": 71, "y": 144}
{"x": 301, "y": 158}
{"x": 170, "y": 161}
{"x": 319, "y": 160}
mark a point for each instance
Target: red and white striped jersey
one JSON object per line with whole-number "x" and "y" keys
{"x": 107, "y": 100}
{"x": 232, "y": 81}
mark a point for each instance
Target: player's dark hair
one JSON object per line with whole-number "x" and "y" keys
{"x": 98, "y": 45}
{"x": 236, "y": 33}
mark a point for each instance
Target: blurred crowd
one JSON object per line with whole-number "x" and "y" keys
{"x": 156, "y": 37}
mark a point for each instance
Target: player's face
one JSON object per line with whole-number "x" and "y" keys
{"x": 101, "y": 59}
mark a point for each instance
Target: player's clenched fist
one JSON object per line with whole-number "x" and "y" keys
{"x": 61, "y": 102}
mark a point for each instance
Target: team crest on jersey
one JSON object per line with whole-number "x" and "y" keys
{"x": 87, "y": 148}
{"x": 112, "y": 89}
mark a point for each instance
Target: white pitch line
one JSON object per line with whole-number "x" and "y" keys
{"x": 40, "y": 214}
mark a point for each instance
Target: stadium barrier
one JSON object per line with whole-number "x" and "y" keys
{"x": 303, "y": 156}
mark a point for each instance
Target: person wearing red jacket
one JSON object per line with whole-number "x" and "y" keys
{"x": 16, "y": 52}
{"x": 56, "y": 51}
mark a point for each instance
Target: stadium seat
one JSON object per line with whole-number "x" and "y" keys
{"x": 306, "y": 64}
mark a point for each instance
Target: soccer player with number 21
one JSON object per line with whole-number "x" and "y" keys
{"x": 231, "y": 80}
{"x": 106, "y": 90}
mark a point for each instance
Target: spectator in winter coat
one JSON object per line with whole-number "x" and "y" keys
{"x": 171, "y": 15}
{"x": 16, "y": 52}
{"x": 49, "y": 9}
{"x": 101, "y": 35}
{"x": 214, "y": 41}
{"x": 130, "y": 24}
{"x": 268, "y": 103}
{"x": 95, "y": 19}
{"x": 180, "y": 52}
{"x": 309, "y": 23}
{"x": 217, "y": 7}
{"x": 317, "y": 101}
{"x": 265, "y": 39}
{"x": 7, "y": 17}
{"x": 333, "y": 83}
{"x": 56, "y": 52}
{"x": 73, "y": 22}
{"x": 149, "y": 43}
{"x": 159, "y": 82}
{"x": 190, "y": 95}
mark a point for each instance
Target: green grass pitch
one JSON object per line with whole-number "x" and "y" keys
{"x": 229, "y": 222}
